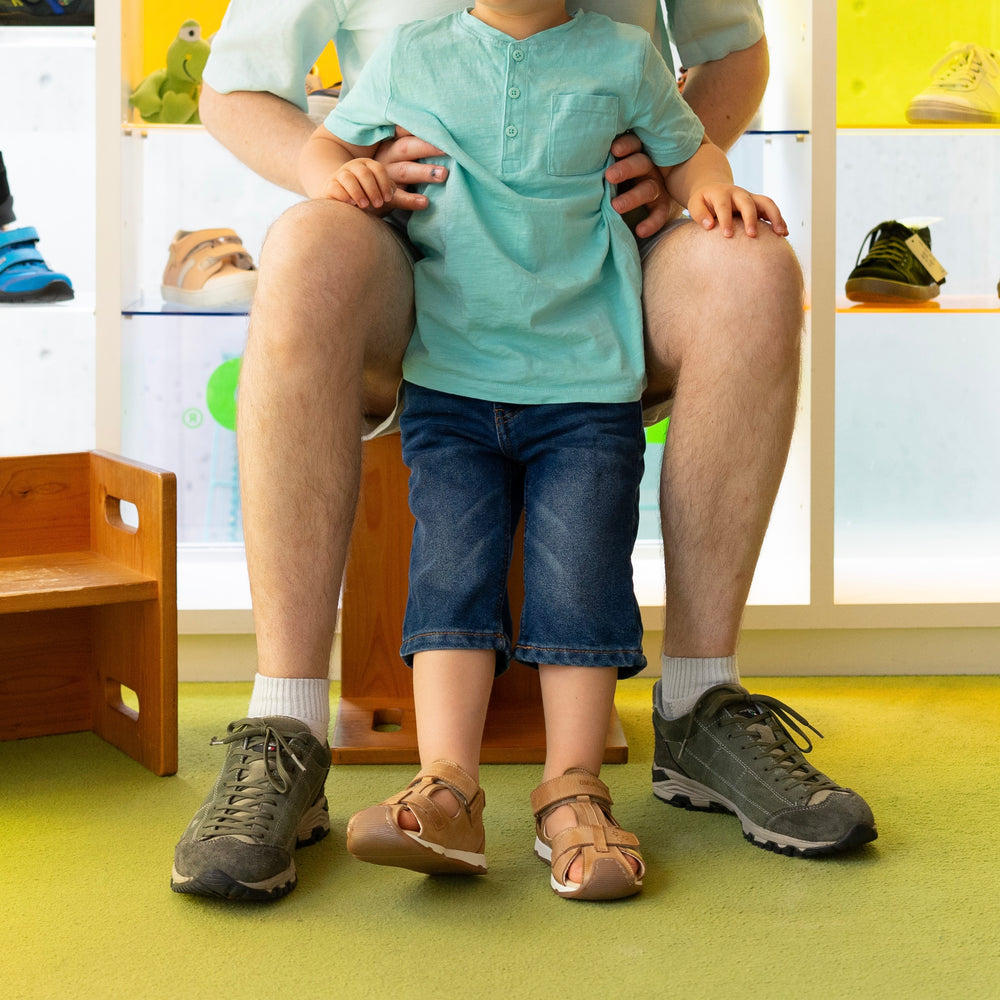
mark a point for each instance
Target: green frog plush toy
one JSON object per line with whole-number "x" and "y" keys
{"x": 170, "y": 95}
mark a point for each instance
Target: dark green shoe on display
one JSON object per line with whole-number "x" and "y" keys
{"x": 733, "y": 754}
{"x": 267, "y": 801}
{"x": 898, "y": 267}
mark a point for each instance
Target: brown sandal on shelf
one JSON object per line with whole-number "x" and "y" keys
{"x": 209, "y": 269}
{"x": 444, "y": 844}
{"x": 597, "y": 838}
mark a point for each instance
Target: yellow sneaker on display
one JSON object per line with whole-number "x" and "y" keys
{"x": 966, "y": 88}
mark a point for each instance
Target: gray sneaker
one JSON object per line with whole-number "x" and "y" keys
{"x": 733, "y": 753}
{"x": 267, "y": 801}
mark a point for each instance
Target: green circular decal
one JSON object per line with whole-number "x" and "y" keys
{"x": 220, "y": 393}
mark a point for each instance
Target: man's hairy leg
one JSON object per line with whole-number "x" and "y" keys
{"x": 330, "y": 321}
{"x": 723, "y": 321}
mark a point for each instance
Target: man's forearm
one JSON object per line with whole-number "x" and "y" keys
{"x": 264, "y": 131}
{"x": 726, "y": 93}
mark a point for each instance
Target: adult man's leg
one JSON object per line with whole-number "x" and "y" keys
{"x": 723, "y": 321}
{"x": 330, "y": 321}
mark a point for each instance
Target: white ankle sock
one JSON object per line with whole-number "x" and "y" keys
{"x": 686, "y": 678}
{"x": 304, "y": 698}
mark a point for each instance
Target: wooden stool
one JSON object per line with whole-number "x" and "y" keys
{"x": 375, "y": 720}
{"x": 88, "y": 603}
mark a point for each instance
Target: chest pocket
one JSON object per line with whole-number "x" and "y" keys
{"x": 581, "y": 131}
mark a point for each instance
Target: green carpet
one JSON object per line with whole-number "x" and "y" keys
{"x": 88, "y": 836}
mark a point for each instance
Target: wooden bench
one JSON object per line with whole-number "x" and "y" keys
{"x": 88, "y": 602}
{"x": 375, "y": 719}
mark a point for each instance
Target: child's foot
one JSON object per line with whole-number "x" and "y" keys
{"x": 590, "y": 855}
{"x": 434, "y": 826}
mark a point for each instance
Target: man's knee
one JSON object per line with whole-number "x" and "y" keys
{"x": 312, "y": 237}
{"x": 705, "y": 294}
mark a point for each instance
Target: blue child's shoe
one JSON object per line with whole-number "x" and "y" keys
{"x": 24, "y": 275}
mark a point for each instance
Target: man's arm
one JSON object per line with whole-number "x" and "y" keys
{"x": 266, "y": 132}
{"x": 725, "y": 95}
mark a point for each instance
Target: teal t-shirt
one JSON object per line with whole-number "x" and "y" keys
{"x": 528, "y": 290}
{"x": 262, "y": 46}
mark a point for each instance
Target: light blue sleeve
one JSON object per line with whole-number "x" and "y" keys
{"x": 263, "y": 46}
{"x": 669, "y": 130}
{"x": 705, "y": 30}
{"x": 360, "y": 117}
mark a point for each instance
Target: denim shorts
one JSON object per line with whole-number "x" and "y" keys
{"x": 573, "y": 470}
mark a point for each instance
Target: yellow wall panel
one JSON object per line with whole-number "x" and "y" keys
{"x": 161, "y": 20}
{"x": 886, "y": 48}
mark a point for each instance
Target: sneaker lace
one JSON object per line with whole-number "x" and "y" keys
{"x": 765, "y": 723}
{"x": 962, "y": 66}
{"x": 250, "y": 792}
{"x": 884, "y": 247}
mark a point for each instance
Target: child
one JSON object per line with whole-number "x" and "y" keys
{"x": 521, "y": 393}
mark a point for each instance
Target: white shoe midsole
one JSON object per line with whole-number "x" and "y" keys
{"x": 701, "y": 796}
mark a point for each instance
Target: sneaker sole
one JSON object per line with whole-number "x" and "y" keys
{"x": 883, "y": 290}
{"x": 931, "y": 112}
{"x": 217, "y": 884}
{"x": 685, "y": 793}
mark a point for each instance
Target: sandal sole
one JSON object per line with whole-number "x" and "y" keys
{"x": 387, "y": 845}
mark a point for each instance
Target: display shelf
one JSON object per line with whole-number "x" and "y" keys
{"x": 897, "y": 128}
{"x": 941, "y": 304}
{"x": 944, "y": 178}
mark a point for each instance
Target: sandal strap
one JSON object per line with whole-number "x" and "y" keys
{"x": 567, "y": 844}
{"x": 195, "y": 256}
{"x": 11, "y": 237}
{"x": 431, "y": 816}
{"x": 20, "y": 255}
{"x": 453, "y": 777}
{"x": 573, "y": 785}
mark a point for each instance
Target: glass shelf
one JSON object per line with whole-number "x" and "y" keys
{"x": 157, "y": 307}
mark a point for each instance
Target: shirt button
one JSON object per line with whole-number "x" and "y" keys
{"x": 514, "y": 92}
{"x": 510, "y": 131}
{"x": 517, "y": 55}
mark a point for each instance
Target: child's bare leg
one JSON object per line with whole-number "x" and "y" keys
{"x": 451, "y": 692}
{"x": 577, "y": 703}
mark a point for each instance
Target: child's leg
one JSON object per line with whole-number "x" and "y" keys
{"x": 451, "y": 692}
{"x": 435, "y": 825}
{"x": 577, "y": 703}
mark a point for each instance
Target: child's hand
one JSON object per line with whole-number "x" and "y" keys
{"x": 721, "y": 202}
{"x": 361, "y": 182}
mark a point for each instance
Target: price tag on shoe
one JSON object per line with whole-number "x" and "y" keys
{"x": 922, "y": 252}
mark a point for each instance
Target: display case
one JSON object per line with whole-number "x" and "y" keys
{"x": 47, "y": 351}
{"x": 883, "y": 521}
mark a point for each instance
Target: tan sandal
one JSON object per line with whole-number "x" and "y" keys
{"x": 209, "y": 268}
{"x": 444, "y": 843}
{"x": 603, "y": 845}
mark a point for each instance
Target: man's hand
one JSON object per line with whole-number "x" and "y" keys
{"x": 401, "y": 158}
{"x": 645, "y": 186}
